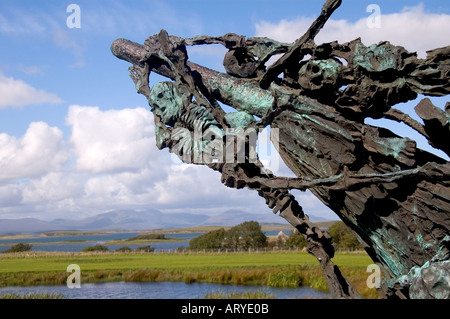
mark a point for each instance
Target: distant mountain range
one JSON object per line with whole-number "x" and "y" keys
{"x": 138, "y": 220}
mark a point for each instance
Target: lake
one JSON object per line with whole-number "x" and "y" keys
{"x": 139, "y": 290}
{"x": 49, "y": 243}
{"x": 160, "y": 290}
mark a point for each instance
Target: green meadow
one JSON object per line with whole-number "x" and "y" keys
{"x": 279, "y": 269}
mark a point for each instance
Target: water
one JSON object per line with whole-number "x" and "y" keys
{"x": 159, "y": 290}
{"x": 131, "y": 290}
{"x": 50, "y": 245}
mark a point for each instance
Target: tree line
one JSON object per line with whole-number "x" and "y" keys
{"x": 245, "y": 236}
{"x": 249, "y": 235}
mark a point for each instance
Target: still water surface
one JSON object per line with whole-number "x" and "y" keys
{"x": 131, "y": 290}
{"x": 160, "y": 290}
{"x": 49, "y": 243}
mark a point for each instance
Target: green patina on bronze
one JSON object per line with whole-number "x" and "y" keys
{"x": 239, "y": 119}
{"x": 393, "y": 195}
{"x": 376, "y": 57}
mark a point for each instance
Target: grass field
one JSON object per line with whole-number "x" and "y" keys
{"x": 281, "y": 269}
{"x": 49, "y": 261}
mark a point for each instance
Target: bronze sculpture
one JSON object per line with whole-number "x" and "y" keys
{"x": 393, "y": 195}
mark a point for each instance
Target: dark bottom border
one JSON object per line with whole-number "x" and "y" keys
{"x": 223, "y": 308}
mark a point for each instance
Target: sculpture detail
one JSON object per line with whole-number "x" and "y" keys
{"x": 393, "y": 195}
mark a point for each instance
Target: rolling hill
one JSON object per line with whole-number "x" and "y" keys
{"x": 138, "y": 220}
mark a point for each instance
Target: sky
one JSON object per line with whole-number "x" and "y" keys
{"x": 77, "y": 140}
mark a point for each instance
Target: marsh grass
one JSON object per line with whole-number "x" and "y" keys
{"x": 257, "y": 294}
{"x": 256, "y": 269}
{"x": 284, "y": 279}
{"x": 43, "y": 295}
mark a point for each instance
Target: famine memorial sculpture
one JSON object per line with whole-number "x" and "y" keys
{"x": 394, "y": 196}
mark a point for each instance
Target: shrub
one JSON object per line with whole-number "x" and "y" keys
{"x": 124, "y": 249}
{"x": 96, "y": 248}
{"x": 295, "y": 240}
{"x": 20, "y": 247}
{"x": 147, "y": 237}
{"x": 145, "y": 249}
{"x": 210, "y": 240}
{"x": 343, "y": 236}
{"x": 243, "y": 236}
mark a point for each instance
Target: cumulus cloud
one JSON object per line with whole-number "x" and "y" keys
{"x": 413, "y": 28}
{"x": 39, "y": 151}
{"x": 109, "y": 158}
{"x": 52, "y": 187}
{"x": 10, "y": 195}
{"x": 113, "y": 140}
{"x": 18, "y": 93}
{"x": 109, "y": 161}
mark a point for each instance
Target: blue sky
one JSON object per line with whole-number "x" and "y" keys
{"x": 76, "y": 139}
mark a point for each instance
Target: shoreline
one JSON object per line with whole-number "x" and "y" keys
{"x": 276, "y": 269}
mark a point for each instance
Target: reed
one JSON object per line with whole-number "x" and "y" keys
{"x": 284, "y": 279}
{"x": 276, "y": 269}
{"x": 31, "y": 296}
{"x": 257, "y": 294}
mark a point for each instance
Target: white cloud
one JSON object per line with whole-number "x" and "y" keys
{"x": 113, "y": 140}
{"x": 412, "y": 28}
{"x": 39, "y": 151}
{"x": 52, "y": 187}
{"x": 110, "y": 161}
{"x": 10, "y": 195}
{"x": 18, "y": 93}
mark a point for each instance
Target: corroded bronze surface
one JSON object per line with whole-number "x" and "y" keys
{"x": 393, "y": 195}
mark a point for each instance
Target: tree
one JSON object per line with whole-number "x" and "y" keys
{"x": 145, "y": 249}
{"x": 251, "y": 236}
{"x": 295, "y": 240}
{"x": 343, "y": 237}
{"x": 247, "y": 235}
{"x": 124, "y": 249}
{"x": 210, "y": 240}
{"x": 17, "y": 248}
{"x": 95, "y": 248}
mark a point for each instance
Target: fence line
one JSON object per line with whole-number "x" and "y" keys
{"x": 250, "y": 251}
{"x": 186, "y": 250}
{"x": 181, "y": 250}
